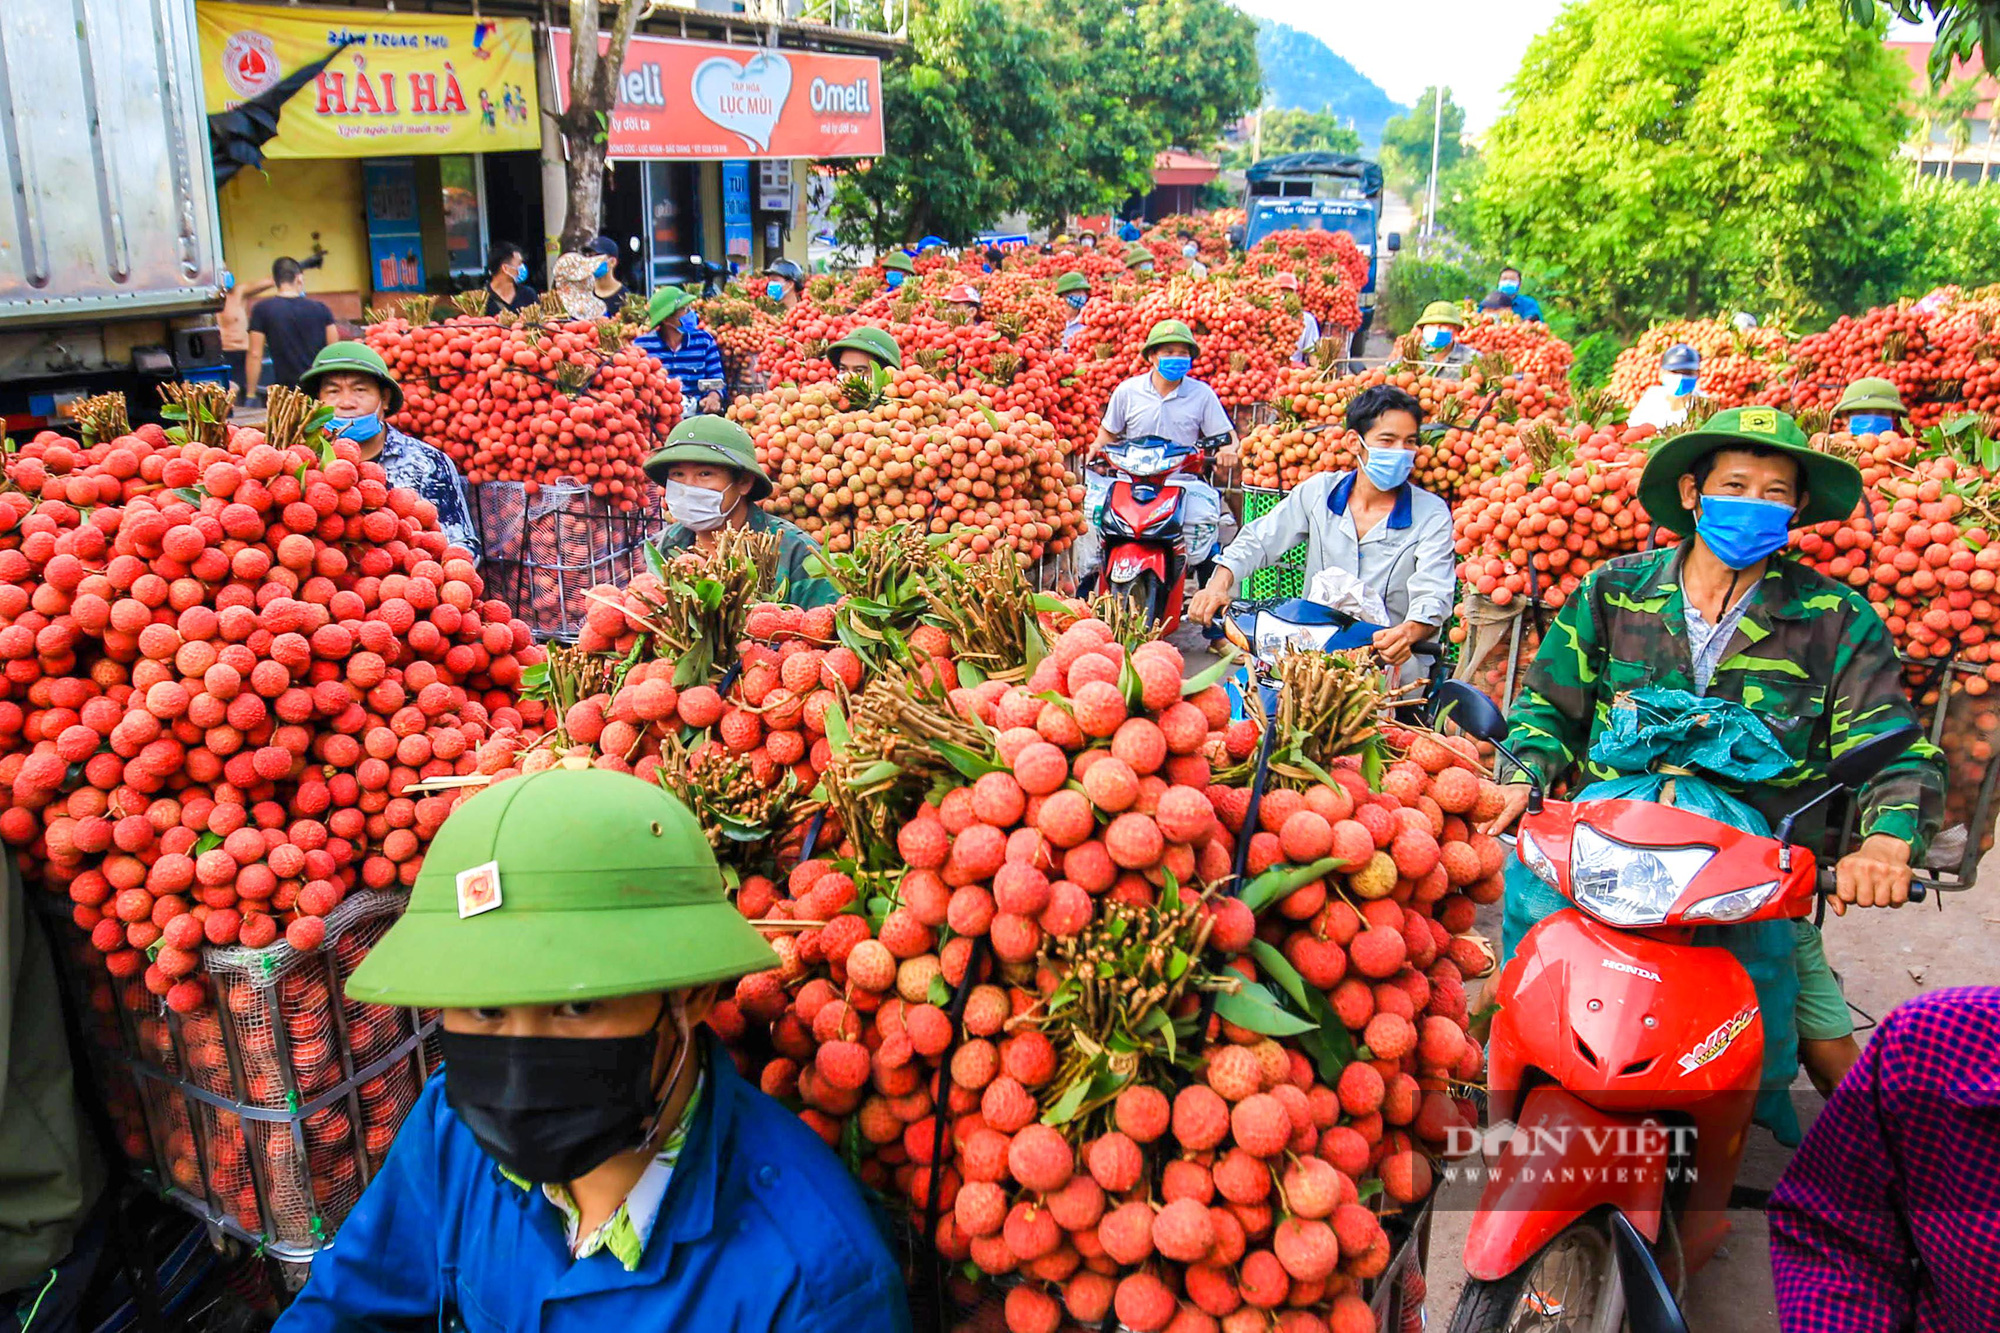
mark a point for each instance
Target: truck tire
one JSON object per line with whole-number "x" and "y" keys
{"x": 1511, "y": 1305}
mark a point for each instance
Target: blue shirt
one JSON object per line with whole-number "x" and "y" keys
{"x": 1527, "y": 307}
{"x": 762, "y": 1228}
{"x": 699, "y": 358}
{"x": 419, "y": 467}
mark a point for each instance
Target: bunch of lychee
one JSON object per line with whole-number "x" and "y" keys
{"x": 1257, "y": 1187}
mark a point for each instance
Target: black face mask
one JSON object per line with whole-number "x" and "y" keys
{"x": 556, "y": 1108}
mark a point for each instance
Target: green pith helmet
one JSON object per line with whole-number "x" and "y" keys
{"x": 1170, "y": 331}
{"x": 358, "y": 357}
{"x": 1072, "y": 282}
{"x": 1873, "y": 394}
{"x": 667, "y": 303}
{"x": 898, "y": 261}
{"x": 1140, "y": 255}
{"x": 601, "y": 884}
{"x": 711, "y": 439}
{"x": 1442, "y": 312}
{"x": 875, "y": 342}
{"x": 1832, "y": 484}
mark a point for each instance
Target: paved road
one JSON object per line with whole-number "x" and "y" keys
{"x": 1883, "y": 958}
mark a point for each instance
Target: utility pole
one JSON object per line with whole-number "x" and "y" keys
{"x": 1437, "y": 136}
{"x": 1257, "y": 137}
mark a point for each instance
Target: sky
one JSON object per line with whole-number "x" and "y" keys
{"x": 1473, "y": 47}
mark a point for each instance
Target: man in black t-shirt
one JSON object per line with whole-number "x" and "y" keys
{"x": 291, "y": 324}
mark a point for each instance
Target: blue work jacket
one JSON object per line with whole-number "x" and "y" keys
{"x": 762, "y": 1228}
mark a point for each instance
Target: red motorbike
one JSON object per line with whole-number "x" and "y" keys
{"x": 1625, "y": 1060}
{"x": 1147, "y": 523}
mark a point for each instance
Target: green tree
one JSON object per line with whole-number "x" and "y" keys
{"x": 592, "y": 89}
{"x": 1967, "y": 30}
{"x": 1285, "y": 131}
{"x": 1406, "y": 141}
{"x": 1659, "y": 159}
{"x": 1047, "y": 110}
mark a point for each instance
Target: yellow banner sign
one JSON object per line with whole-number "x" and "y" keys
{"x": 396, "y": 83}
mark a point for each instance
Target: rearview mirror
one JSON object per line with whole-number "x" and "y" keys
{"x": 1858, "y": 763}
{"x": 1395, "y": 241}
{"x": 1475, "y": 714}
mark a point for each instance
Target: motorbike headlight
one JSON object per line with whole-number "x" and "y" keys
{"x": 1627, "y": 885}
{"x": 1537, "y": 860}
{"x": 1734, "y": 906}
{"x": 1274, "y": 637}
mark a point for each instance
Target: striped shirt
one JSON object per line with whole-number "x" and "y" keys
{"x": 424, "y": 468}
{"x": 698, "y": 358}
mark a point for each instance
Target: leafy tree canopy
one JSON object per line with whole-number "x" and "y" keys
{"x": 1659, "y": 159}
{"x": 1044, "y": 108}
{"x": 1406, "y": 140}
{"x": 1287, "y": 131}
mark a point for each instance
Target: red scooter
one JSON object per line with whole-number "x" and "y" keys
{"x": 1625, "y": 1060}
{"x": 1146, "y": 526}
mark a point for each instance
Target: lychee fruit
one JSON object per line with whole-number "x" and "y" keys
{"x": 1126, "y": 1232}
{"x": 1261, "y": 1125}
{"x": 1307, "y": 1248}
{"x": 1183, "y": 1232}
{"x": 1312, "y": 1187}
{"x": 1111, "y": 785}
{"x": 1115, "y": 1162}
{"x": 1066, "y": 819}
{"x": 1099, "y": 707}
{"x": 1306, "y": 836}
{"x": 1143, "y": 1303}
{"x": 1142, "y": 1112}
{"x": 1201, "y": 1118}
{"x": 1140, "y": 744}
{"x": 1378, "y": 952}
{"x": 1040, "y": 1159}
{"x": 1232, "y": 1072}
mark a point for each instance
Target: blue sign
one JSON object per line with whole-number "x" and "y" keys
{"x": 1014, "y": 241}
{"x": 736, "y": 232}
{"x": 395, "y": 233}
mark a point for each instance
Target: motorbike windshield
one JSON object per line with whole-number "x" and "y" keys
{"x": 1146, "y": 458}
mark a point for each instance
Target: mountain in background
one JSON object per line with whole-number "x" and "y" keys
{"x": 1302, "y": 73}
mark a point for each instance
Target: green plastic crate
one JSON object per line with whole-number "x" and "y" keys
{"x": 1287, "y": 578}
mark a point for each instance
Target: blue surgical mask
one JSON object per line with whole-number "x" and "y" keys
{"x": 1739, "y": 530}
{"x": 1077, "y": 300}
{"x": 358, "y": 429}
{"x": 1174, "y": 369}
{"x": 1678, "y": 385}
{"x": 1437, "y": 338}
{"x": 775, "y": 290}
{"x": 1389, "y": 468}
{"x": 521, "y": 272}
{"x": 1869, "y": 423}
{"x": 689, "y": 321}
{"x": 1511, "y": 286}
{"x": 228, "y": 280}
{"x": 1190, "y": 250}
{"x": 603, "y": 267}
{"x": 894, "y": 278}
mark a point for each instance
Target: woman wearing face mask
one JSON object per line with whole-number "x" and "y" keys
{"x": 1140, "y": 260}
{"x": 589, "y": 1158}
{"x": 1666, "y": 403}
{"x": 1074, "y": 289}
{"x": 709, "y": 474}
{"x": 675, "y": 338}
{"x": 1373, "y": 523}
{"x": 785, "y": 283}
{"x": 507, "y": 285}
{"x": 355, "y": 382}
{"x": 1191, "y": 251}
{"x": 1443, "y": 356}
{"x": 1872, "y": 406}
{"x": 604, "y": 283}
{"x": 1725, "y": 615}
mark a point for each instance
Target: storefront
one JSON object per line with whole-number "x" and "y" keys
{"x": 398, "y": 163}
{"x": 713, "y": 144}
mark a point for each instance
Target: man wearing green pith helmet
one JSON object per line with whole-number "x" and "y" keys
{"x": 588, "y": 1160}
{"x": 712, "y": 480}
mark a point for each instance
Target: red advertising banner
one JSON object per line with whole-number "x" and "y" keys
{"x": 681, "y": 99}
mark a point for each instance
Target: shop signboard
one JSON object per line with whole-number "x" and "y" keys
{"x": 700, "y": 100}
{"x": 395, "y": 233}
{"x": 398, "y": 83}
{"x": 736, "y": 231}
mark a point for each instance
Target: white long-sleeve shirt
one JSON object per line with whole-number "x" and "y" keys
{"x": 1408, "y": 556}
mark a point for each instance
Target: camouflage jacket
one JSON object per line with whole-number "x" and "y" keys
{"x": 797, "y": 583}
{"x": 1809, "y": 657}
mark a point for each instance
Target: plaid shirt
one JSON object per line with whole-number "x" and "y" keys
{"x": 423, "y": 468}
{"x": 1889, "y": 1217}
